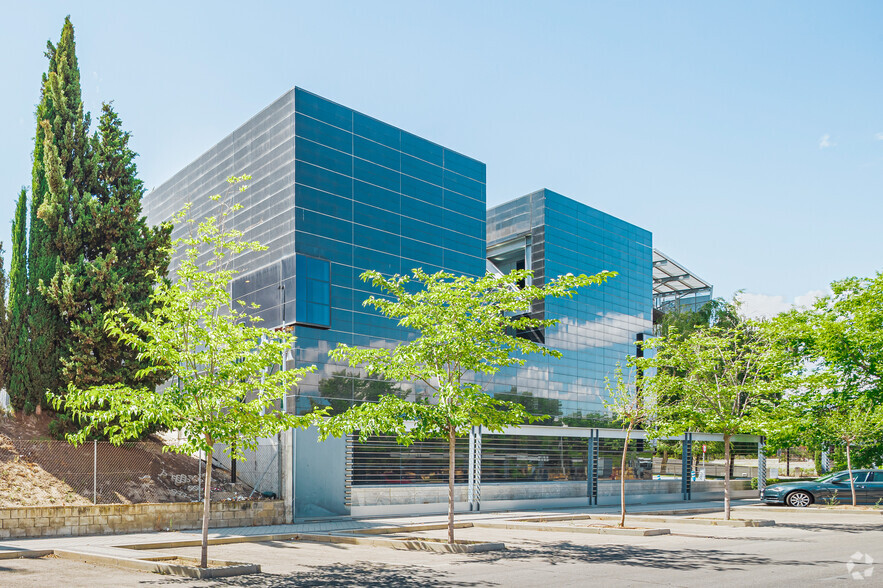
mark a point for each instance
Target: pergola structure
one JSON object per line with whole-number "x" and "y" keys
{"x": 674, "y": 286}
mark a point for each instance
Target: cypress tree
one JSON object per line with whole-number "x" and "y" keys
{"x": 61, "y": 140}
{"x": 18, "y": 306}
{"x": 4, "y": 326}
{"x": 111, "y": 266}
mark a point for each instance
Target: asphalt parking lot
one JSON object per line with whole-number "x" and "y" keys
{"x": 805, "y": 548}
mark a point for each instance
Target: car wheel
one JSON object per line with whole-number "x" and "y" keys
{"x": 799, "y": 499}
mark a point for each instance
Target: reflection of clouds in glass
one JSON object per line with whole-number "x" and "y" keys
{"x": 545, "y": 381}
{"x": 606, "y": 330}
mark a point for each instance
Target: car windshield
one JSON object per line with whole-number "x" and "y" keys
{"x": 836, "y": 477}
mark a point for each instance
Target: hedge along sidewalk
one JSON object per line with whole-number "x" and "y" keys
{"x": 62, "y": 521}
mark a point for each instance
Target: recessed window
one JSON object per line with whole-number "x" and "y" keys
{"x": 313, "y": 296}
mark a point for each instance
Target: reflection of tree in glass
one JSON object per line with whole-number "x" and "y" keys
{"x": 591, "y": 419}
{"x": 344, "y": 389}
{"x": 534, "y": 405}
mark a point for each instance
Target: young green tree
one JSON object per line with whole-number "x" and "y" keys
{"x": 18, "y": 306}
{"x": 839, "y": 340}
{"x": 626, "y": 401}
{"x": 220, "y": 390}
{"x": 854, "y": 423}
{"x": 111, "y": 264}
{"x": 714, "y": 380}
{"x": 62, "y": 133}
{"x": 465, "y": 329}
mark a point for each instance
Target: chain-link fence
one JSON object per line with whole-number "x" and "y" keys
{"x": 45, "y": 473}
{"x": 259, "y": 469}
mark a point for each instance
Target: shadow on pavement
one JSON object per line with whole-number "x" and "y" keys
{"x": 362, "y": 574}
{"x": 836, "y": 527}
{"x": 565, "y": 552}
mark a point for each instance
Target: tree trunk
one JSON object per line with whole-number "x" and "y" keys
{"x": 452, "y": 442}
{"x": 849, "y": 469}
{"x": 727, "y": 464}
{"x": 206, "y": 508}
{"x": 625, "y": 450}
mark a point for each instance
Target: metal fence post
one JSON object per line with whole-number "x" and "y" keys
{"x": 199, "y": 476}
{"x": 761, "y": 467}
{"x": 477, "y": 470}
{"x": 95, "y": 471}
{"x": 470, "y": 488}
{"x": 687, "y": 466}
{"x": 594, "y": 441}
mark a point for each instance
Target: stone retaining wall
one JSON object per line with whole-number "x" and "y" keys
{"x": 55, "y": 521}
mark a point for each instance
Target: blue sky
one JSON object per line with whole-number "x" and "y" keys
{"x": 748, "y": 137}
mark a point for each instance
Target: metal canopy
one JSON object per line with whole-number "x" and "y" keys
{"x": 671, "y": 280}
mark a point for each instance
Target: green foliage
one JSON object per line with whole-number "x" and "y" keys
{"x": 715, "y": 380}
{"x": 840, "y": 342}
{"x": 465, "y": 327}
{"x": 5, "y": 350}
{"x": 60, "y": 141}
{"x": 535, "y": 405}
{"x": 220, "y": 390}
{"x": 590, "y": 420}
{"x": 769, "y": 482}
{"x": 628, "y": 403}
{"x": 343, "y": 389}
{"x": 89, "y": 250}
{"x": 111, "y": 255}
{"x": 683, "y": 321}
{"x": 18, "y": 305}
{"x": 222, "y": 387}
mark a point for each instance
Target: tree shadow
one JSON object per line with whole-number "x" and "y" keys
{"x": 362, "y": 574}
{"x": 835, "y": 527}
{"x": 565, "y": 552}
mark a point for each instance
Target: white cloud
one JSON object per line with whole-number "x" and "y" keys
{"x": 878, "y": 136}
{"x": 759, "y": 306}
{"x": 826, "y": 141}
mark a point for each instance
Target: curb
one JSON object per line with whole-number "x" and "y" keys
{"x": 563, "y": 529}
{"x": 158, "y": 566}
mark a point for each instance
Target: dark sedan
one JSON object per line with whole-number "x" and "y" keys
{"x": 868, "y": 489}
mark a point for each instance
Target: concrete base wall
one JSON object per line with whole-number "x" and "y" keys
{"x": 424, "y": 499}
{"x": 55, "y": 521}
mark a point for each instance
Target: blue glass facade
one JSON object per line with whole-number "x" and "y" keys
{"x": 334, "y": 193}
{"x": 554, "y": 235}
{"x": 371, "y": 196}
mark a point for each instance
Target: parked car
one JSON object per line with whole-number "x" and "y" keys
{"x": 868, "y": 489}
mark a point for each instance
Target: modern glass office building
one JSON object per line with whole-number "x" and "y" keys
{"x": 335, "y": 192}
{"x": 554, "y": 235}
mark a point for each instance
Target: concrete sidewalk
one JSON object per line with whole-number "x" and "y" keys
{"x": 107, "y": 543}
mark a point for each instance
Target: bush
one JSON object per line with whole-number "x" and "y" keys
{"x": 769, "y": 482}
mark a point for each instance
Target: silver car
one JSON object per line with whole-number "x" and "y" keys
{"x": 868, "y": 489}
